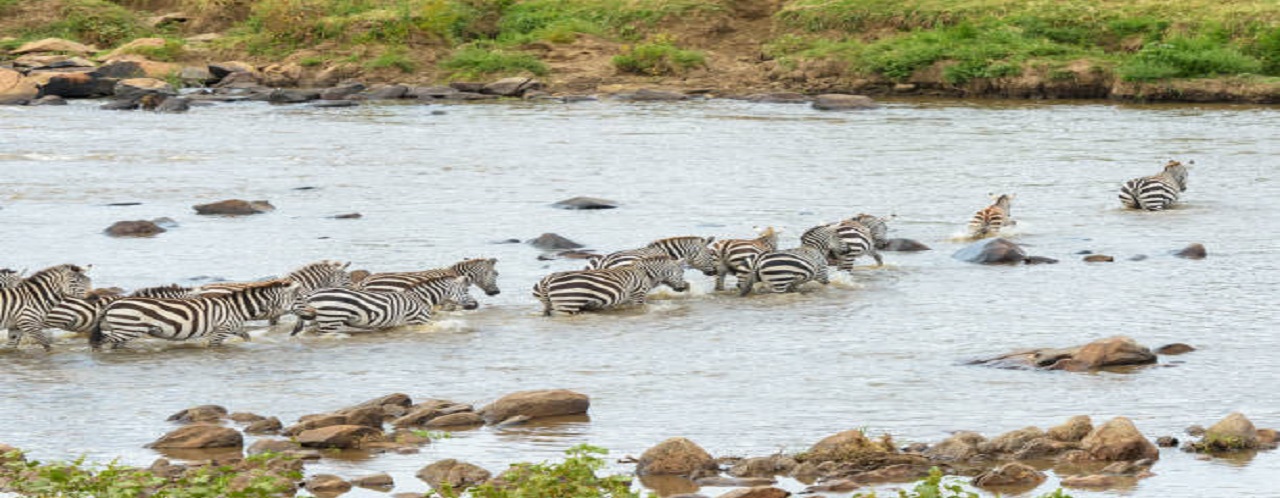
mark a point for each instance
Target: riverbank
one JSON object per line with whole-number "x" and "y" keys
{"x": 1158, "y": 51}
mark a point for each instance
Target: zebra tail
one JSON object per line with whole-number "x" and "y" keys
{"x": 96, "y": 335}
{"x": 304, "y": 313}
{"x": 746, "y": 285}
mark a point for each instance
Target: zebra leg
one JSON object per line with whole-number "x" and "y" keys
{"x": 720, "y": 274}
{"x": 32, "y": 327}
{"x": 879, "y": 260}
{"x": 745, "y": 283}
{"x": 821, "y": 276}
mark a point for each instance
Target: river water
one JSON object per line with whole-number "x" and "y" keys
{"x": 883, "y": 349}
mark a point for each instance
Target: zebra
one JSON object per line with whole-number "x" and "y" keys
{"x": 988, "y": 221}
{"x": 314, "y": 276}
{"x": 576, "y": 291}
{"x": 480, "y": 271}
{"x": 786, "y": 270}
{"x": 689, "y": 250}
{"x": 217, "y": 316}
{"x": 734, "y": 256}
{"x": 10, "y": 278}
{"x": 23, "y": 308}
{"x": 862, "y": 235}
{"x": 1156, "y": 192}
{"x": 332, "y": 309}
{"x": 78, "y": 315}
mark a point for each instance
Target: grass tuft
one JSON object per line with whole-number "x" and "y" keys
{"x": 658, "y": 57}
{"x": 475, "y": 62}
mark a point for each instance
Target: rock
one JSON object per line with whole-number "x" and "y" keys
{"x": 327, "y": 484}
{"x": 458, "y": 475}
{"x": 1138, "y": 257}
{"x": 1010, "y": 475}
{"x": 119, "y": 105}
{"x": 904, "y": 88}
{"x": 653, "y": 95}
{"x": 1167, "y": 442}
{"x": 833, "y": 486}
{"x": 467, "y": 86}
{"x": 10, "y": 454}
{"x": 432, "y": 92}
{"x": 1092, "y": 481}
{"x": 511, "y": 87}
{"x": 1073, "y": 430}
{"x": 245, "y": 417}
{"x": 1114, "y": 351}
{"x": 136, "y": 228}
{"x": 553, "y": 242}
{"x": 991, "y": 252}
{"x": 585, "y": 203}
{"x": 53, "y": 45}
{"x": 1195, "y": 431}
{"x": 316, "y": 421}
{"x": 202, "y": 413}
{"x": 48, "y": 100}
{"x": 733, "y": 482}
{"x": 200, "y": 436}
{"x": 16, "y": 88}
{"x": 167, "y": 105}
{"x": 1235, "y": 432}
{"x": 842, "y": 102}
{"x": 1193, "y": 251}
{"x": 234, "y": 207}
{"x": 287, "y": 75}
{"x": 1267, "y": 437}
{"x": 242, "y": 80}
{"x": 959, "y": 447}
{"x": 1176, "y": 348}
{"x": 455, "y": 420}
{"x": 272, "y": 446}
{"x": 386, "y": 92}
{"x": 381, "y": 480}
{"x": 843, "y": 446}
{"x": 78, "y": 85}
{"x": 1040, "y": 260}
{"x": 134, "y": 46}
{"x": 1012, "y": 441}
{"x": 269, "y": 425}
{"x": 534, "y": 404}
{"x": 418, "y": 416}
{"x": 1118, "y": 439}
{"x": 334, "y": 103}
{"x": 893, "y": 473}
{"x": 763, "y": 466}
{"x": 291, "y": 96}
{"x": 516, "y": 420}
{"x": 1098, "y": 258}
{"x": 1040, "y": 448}
{"x": 347, "y": 216}
{"x": 196, "y": 76}
{"x": 368, "y": 416}
{"x": 343, "y": 91}
{"x": 120, "y": 69}
{"x": 135, "y": 88}
{"x": 901, "y": 245}
{"x": 757, "y": 492}
{"x": 675, "y": 456}
{"x": 777, "y": 98}
{"x": 338, "y": 436}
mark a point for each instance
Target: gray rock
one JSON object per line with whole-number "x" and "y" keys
{"x": 652, "y": 95}
{"x": 583, "y": 202}
{"x": 234, "y": 207}
{"x": 511, "y": 87}
{"x": 778, "y": 98}
{"x": 202, "y": 413}
{"x": 136, "y": 228}
{"x": 842, "y": 102}
{"x": 386, "y": 92}
{"x": 135, "y": 88}
{"x": 335, "y": 103}
{"x": 342, "y": 92}
{"x": 1193, "y": 251}
{"x": 291, "y": 96}
{"x": 553, "y": 242}
{"x": 1040, "y": 260}
{"x": 901, "y": 245}
{"x": 991, "y": 252}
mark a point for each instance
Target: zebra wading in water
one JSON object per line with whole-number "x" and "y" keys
{"x": 216, "y": 316}
{"x": 786, "y": 270}
{"x": 862, "y": 236}
{"x": 480, "y": 271}
{"x": 583, "y": 290}
{"x": 1156, "y": 192}
{"x": 333, "y": 309}
{"x": 688, "y": 250}
{"x": 734, "y": 256}
{"x": 23, "y": 307}
{"x": 78, "y": 315}
{"x": 988, "y": 221}
{"x": 10, "y": 278}
{"x": 314, "y": 276}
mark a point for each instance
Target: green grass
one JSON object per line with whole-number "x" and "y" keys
{"x": 169, "y": 52}
{"x": 1188, "y": 57}
{"x": 658, "y": 57}
{"x": 935, "y": 487}
{"x": 77, "y": 479}
{"x": 574, "y": 477}
{"x": 473, "y": 62}
{"x": 97, "y": 22}
{"x": 394, "y": 57}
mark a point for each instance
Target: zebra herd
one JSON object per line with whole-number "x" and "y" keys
{"x": 326, "y": 294}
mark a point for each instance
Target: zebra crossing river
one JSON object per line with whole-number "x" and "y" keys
{"x": 883, "y": 349}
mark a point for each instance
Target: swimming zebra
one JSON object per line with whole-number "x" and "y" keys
{"x": 217, "y": 316}
{"x": 1156, "y": 192}
{"x": 688, "y": 250}
{"x": 786, "y": 270}
{"x": 582, "y": 290}
{"x": 861, "y": 235}
{"x": 79, "y": 314}
{"x": 734, "y": 256}
{"x": 480, "y": 271}
{"x": 332, "y": 309}
{"x": 988, "y": 221}
{"x": 10, "y": 278}
{"x": 23, "y": 307}
{"x": 312, "y": 277}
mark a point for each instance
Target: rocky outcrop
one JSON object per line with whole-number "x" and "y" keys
{"x": 842, "y": 102}
{"x": 135, "y": 228}
{"x": 327, "y": 485}
{"x": 959, "y": 447}
{"x": 997, "y": 251}
{"x": 234, "y": 207}
{"x": 1233, "y": 433}
{"x": 339, "y": 436}
{"x": 675, "y": 456}
{"x": 1104, "y": 353}
{"x": 581, "y": 202}
{"x": 48, "y": 45}
{"x": 1010, "y": 475}
{"x": 458, "y": 475}
{"x": 200, "y": 436}
{"x": 1118, "y": 439}
{"x": 534, "y": 404}
{"x": 198, "y": 414}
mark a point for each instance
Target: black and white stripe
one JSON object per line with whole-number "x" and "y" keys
{"x": 23, "y": 307}
{"x": 335, "y": 309}
{"x": 1156, "y": 192}
{"x": 10, "y": 278}
{"x": 735, "y": 256}
{"x": 576, "y": 291}
{"x": 988, "y": 221}
{"x": 786, "y": 270}
{"x": 689, "y": 250}
{"x": 861, "y": 235}
{"x": 314, "y": 276}
{"x": 480, "y": 271}
{"x": 216, "y": 316}
{"x": 80, "y": 314}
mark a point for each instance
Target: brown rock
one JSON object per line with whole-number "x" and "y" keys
{"x": 1073, "y": 430}
{"x": 315, "y": 421}
{"x": 134, "y": 46}
{"x": 376, "y": 481}
{"x": 842, "y": 102}
{"x": 1195, "y": 431}
{"x": 1118, "y": 439}
{"x": 902, "y": 472}
{"x": 1098, "y": 258}
{"x": 511, "y": 87}
{"x": 15, "y": 87}
{"x": 733, "y": 482}
{"x": 763, "y": 466}
{"x": 200, "y": 436}
{"x": 843, "y": 446}
{"x": 1012, "y": 441}
{"x": 269, "y": 425}
{"x": 1193, "y": 251}
{"x": 272, "y": 446}
{"x": 757, "y": 492}
{"x": 458, "y": 475}
{"x": 418, "y": 416}
{"x": 76, "y": 85}
{"x": 1267, "y": 437}
{"x": 997, "y": 251}
{"x": 1175, "y": 349}
{"x": 959, "y": 447}
{"x": 53, "y": 45}
{"x": 234, "y": 207}
{"x": 1114, "y": 351}
{"x": 202, "y": 413}
{"x": 1167, "y": 441}
{"x": 833, "y": 486}
{"x": 281, "y": 75}
{"x": 369, "y": 416}
{"x": 223, "y": 69}
{"x": 456, "y": 419}
{"x": 327, "y": 484}
{"x": 134, "y": 88}
{"x": 534, "y": 404}
{"x": 1093, "y": 481}
{"x": 1235, "y": 432}
{"x": 338, "y": 436}
{"x": 675, "y": 456}
{"x": 1010, "y": 475}
{"x": 10, "y": 454}
{"x": 245, "y": 417}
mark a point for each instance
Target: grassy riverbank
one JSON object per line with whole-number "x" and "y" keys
{"x": 1180, "y": 49}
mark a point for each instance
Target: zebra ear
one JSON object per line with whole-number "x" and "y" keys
{"x": 86, "y": 268}
{"x": 711, "y": 239}
{"x": 344, "y": 267}
{"x": 493, "y": 261}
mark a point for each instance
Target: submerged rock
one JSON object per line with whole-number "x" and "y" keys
{"x": 1175, "y": 349}
{"x": 135, "y": 228}
{"x": 553, "y": 242}
{"x": 234, "y": 207}
{"x": 1233, "y": 433}
{"x": 1193, "y": 251}
{"x": 202, "y": 413}
{"x": 995, "y": 251}
{"x": 585, "y": 203}
{"x": 534, "y": 404}
{"x": 843, "y": 102}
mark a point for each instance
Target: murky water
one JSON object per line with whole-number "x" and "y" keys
{"x": 882, "y": 350}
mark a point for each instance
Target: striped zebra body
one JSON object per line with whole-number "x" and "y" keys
{"x": 10, "y": 278}
{"x": 216, "y": 316}
{"x": 786, "y": 270}
{"x": 861, "y": 235}
{"x": 988, "y": 221}
{"x": 79, "y": 315}
{"x": 23, "y": 308}
{"x": 735, "y": 256}
{"x": 577, "y": 291}
{"x": 318, "y": 275}
{"x": 479, "y": 271}
{"x": 688, "y": 250}
{"x": 334, "y": 309}
{"x": 1156, "y": 192}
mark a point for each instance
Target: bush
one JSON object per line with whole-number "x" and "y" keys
{"x": 77, "y": 480}
{"x": 169, "y": 52}
{"x": 933, "y": 487}
{"x": 657, "y": 58}
{"x": 96, "y": 22}
{"x": 397, "y": 58}
{"x": 475, "y": 62}
{"x": 574, "y": 477}
{"x": 1187, "y": 58}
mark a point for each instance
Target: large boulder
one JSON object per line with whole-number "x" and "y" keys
{"x": 16, "y": 88}
{"x": 135, "y": 88}
{"x": 339, "y": 436}
{"x": 455, "y": 420}
{"x": 200, "y": 436}
{"x": 582, "y": 202}
{"x": 78, "y": 85}
{"x": 511, "y": 87}
{"x": 234, "y": 207}
{"x": 534, "y": 404}
{"x": 1012, "y": 441}
{"x": 959, "y": 447}
{"x": 1118, "y": 439}
{"x": 553, "y": 242}
{"x": 281, "y": 75}
{"x": 1113, "y": 351}
{"x": 198, "y": 414}
{"x": 842, "y": 102}
{"x": 135, "y": 228}
{"x": 763, "y": 466}
{"x": 995, "y": 251}
{"x": 841, "y": 446}
{"x": 675, "y": 456}
{"x": 1235, "y": 432}
{"x": 327, "y": 485}
{"x": 54, "y": 45}
{"x": 1073, "y": 430}
{"x": 458, "y": 475}
{"x": 1010, "y": 475}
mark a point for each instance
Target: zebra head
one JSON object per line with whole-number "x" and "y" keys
{"x": 879, "y": 230}
{"x": 1178, "y": 172}
{"x": 1002, "y": 201}
{"x": 825, "y": 239}
{"x": 321, "y": 275}
{"x": 458, "y": 292}
{"x": 692, "y": 250}
{"x": 260, "y": 297}
{"x": 663, "y": 270}
{"x": 481, "y": 272}
{"x": 10, "y": 278}
{"x": 63, "y": 280}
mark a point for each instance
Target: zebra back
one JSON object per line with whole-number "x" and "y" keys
{"x": 223, "y": 315}
{"x": 989, "y": 220}
{"x": 172, "y": 291}
{"x": 320, "y": 275}
{"x": 621, "y": 258}
{"x": 480, "y": 271}
{"x": 785, "y": 270}
{"x": 691, "y": 250}
{"x": 824, "y": 239}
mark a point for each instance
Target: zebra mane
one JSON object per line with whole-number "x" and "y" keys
{"x": 474, "y": 261}
{"x": 52, "y": 270}
{"x": 103, "y": 292}
{"x": 269, "y": 284}
{"x": 327, "y": 263}
{"x": 692, "y": 238}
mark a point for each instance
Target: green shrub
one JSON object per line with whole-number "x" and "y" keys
{"x": 574, "y": 477}
{"x": 475, "y": 62}
{"x": 1183, "y": 57}
{"x": 933, "y": 487}
{"x": 97, "y": 22}
{"x": 76, "y": 479}
{"x": 395, "y": 57}
{"x": 658, "y": 57}
{"x": 169, "y": 52}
